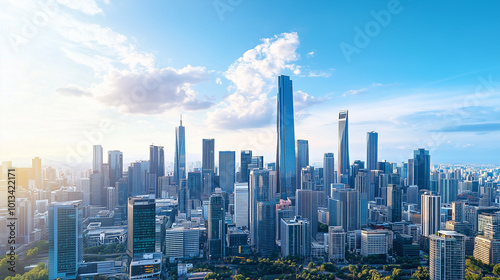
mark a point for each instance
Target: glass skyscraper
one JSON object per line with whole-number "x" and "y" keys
{"x": 371, "y": 150}
{"x": 285, "y": 153}
{"x": 227, "y": 170}
{"x": 246, "y": 159}
{"x": 328, "y": 172}
{"x": 422, "y": 169}
{"x": 343, "y": 161}
{"x": 180, "y": 154}
{"x": 97, "y": 158}
{"x": 65, "y": 239}
{"x": 115, "y": 162}
{"x": 141, "y": 225}
{"x": 302, "y": 159}
{"x": 216, "y": 227}
{"x": 208, "y": 157}
{"x": 156, "y": 166}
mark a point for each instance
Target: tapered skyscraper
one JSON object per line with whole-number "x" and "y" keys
{"x": 343, "y": 155}
{"x": 371, "y": 150}
{"x": 285, "y": 154}
{"x": 180, "y": 154}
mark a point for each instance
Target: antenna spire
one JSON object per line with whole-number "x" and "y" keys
{"x": 181, "y": 119}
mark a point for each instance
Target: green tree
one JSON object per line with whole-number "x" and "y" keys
{"x": 239, "y": 277}
{"x": 422, "y": 273}
{"x": 496, "y": 269}
{"x": 311, "y": 265}
{"x": 396, "y": 273}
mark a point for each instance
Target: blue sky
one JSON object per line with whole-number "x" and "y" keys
{"x": 119, "y": 73}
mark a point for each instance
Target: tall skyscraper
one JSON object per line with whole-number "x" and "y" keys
{"x": 241, "y": 205}
{"x": 349, "y": 216}
{"x": 246, "y": 159}
{"x": 395, "y": 203}
{"x": 448, "y": 189}
{"x": 266, "y": 227}
{"x": 216, "y": 226}
{"x": 258, "y": 191}
{"x": 180, "y": 154}
{"x": 195, "y": 185}
{"x": 296, "y": 238}
{"x": 208, "y": 157}
{"x": 115, "y": 164}
{"x": 371, "y": 150}
{"x": 302, "y": 158}
{"x": 97, "y": 190}
{"x": 343, "y": 155}
{"x": 328, "y": 171}
{"x": 422, "y": 169}
{"x": 141, "y": 225}
{"x": 156, "y": 165}
{"x": 65, "y": 239}
{"x": 457, "y": 208}
{"x": 227, "y": 170}
{"x": 336, "y": 243}
{"x": 447, "y": 255}
{"x": 431, "y": 214}
{"x": 285, "y": 152}
{"x": 36, "y": 165}
{"x": 97, "y": 158}
{"x": 307, "y": 202}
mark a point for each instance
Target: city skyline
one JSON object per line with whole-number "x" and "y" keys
{"x": 414, "y": 96}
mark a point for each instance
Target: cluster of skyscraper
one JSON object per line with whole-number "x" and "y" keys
{"x": 371, "y": 207}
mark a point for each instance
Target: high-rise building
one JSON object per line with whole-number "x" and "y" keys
{"x": 36, "y": 165}
{"x": 115, "y": 164}
{"x": 246, "y": 159}
{"x": 97, "y": 190}
{"x": 457, "y": 208}
{"x": 448, "y": 189}
{"x": 180, "y": 154}
{"x": 487, "y": 245}
{"x": 394, "y": 203}
{"x": 241, "y": 205}
{"x": 136, "y": 178}
{"x": 156, "y": 167}
{"x": 208, "y": 156}
{"x": 182, "y": 243}
{"x": 421, "y": 169}
{"x": 258, "y": 191}
{"x": 336, "y": 243}
{"x": 97, "y": 158}
{"x": 371, "y": 150}
{"x": 285, "y": 152}
{"x": 216, "y": 226}
{"x": 227, "y": 170}
{"x": 65, "y": 239}
{"x": 295, "y": 238}
{"x": 307, "y": 202}
{"x": 431, "y": 214}
{"x": 302, "y": 158}
{"x": 266, "y": 227}
{"x": 349, "y": 215}
{"x": 447, "y": 255}
{"x": 328, "y": 171}
{"x": 307, "y": 179}
{"x": 195, "y": 185}
{"x": 375, "y": 242}
{"x": 141, "y": 225}
{"x": 343, "y": 155}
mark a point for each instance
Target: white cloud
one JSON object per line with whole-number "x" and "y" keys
{"x": 88, "y": 7}
{"x": 218, "y": 81}
{"x": 302, "y": 100}
{"x": 72, "y": 90}
{"x": 365, "y": 89}
{"x": 254, "y": 76}
{"x": 310, "y": 54}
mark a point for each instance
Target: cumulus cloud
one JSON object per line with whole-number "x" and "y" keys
{"x": 253, "y": 76}
{"x": 153, "y": 92}
{"x": 72, "y": 90}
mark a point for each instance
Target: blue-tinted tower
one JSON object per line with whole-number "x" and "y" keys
{"x": 285, "y": 154}
{"x": 180, "y": 154}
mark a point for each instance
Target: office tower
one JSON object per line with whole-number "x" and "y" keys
{"x": 85, "y": 188}
{"x": 404, "y": 246}
{"x": 237, "y": 242}
{"x": 458, "y": 211}
{"x": 216, "y": 227}
{"x": 307, "y": 179}
{"x": 295, "y": 238}
{"x": 371, "y": 150}
{"x": 349, "y": 216}
{"x": 447, "y": 255}
{"x": 257, "y": 162}
{"x": 266, "y": 227}
{"x": 182, "y": 243}
{"x": 65, "y": 239}
{"x": 36, "y": 165}
{"x": 246, "y": 159}
{"x": 112, "y": 199}
{"x": 336, "y": 243}
{"x": 421, "y": 169}
{"x": 487, "y": 245}
{"x": 208, "y": 156}
{"x": 97, "y": 197}
{"x": 307, "y": 202}
{"x": 259, "y": 191}
{"x": 241, "y": 204}
{"x": 334, "y": 212}
{"x": 156, "y": 165}
{"x": 137, "y": 178}
{"x": 302, "y": 158}
{"x": 375, "y": 242}
{"x": 115, "y": 164}
{"x": 285, "y": 153}
{"x": 208, "y": 181}
{"x": 97, "y": 158}
{"x": 431, "y": 213}
{"x": 141, "y": 225}
{"x": 195, "y": 185}
{"x": 183, "y": 197}
{"x": 25, "y": 223}
{"x": 328, "y": 171}
{"x": 412, "y": 195}
{"x": 448, "y": 189}
{"x": 227, "y": 170}
{"x": 343, "y": 155}
{"x": 394, "y": 203}
{"x": 180, "y": 154}
{"x": 411, "y": 172}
